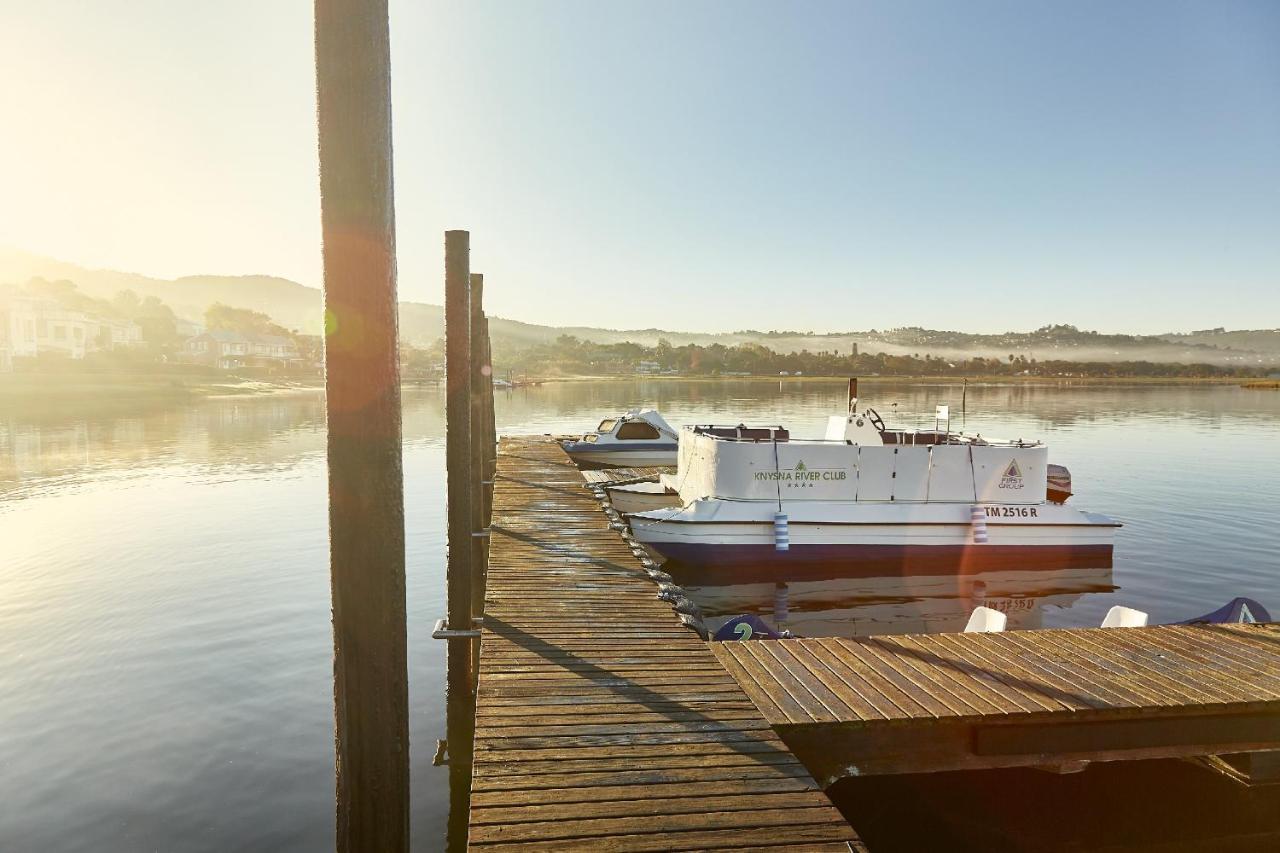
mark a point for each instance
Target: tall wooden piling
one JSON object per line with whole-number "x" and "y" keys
{"x": 490, "y": 431}
{"x": 460, "y": 703}
{"x": 362, "y": 381}
{"x": 478, "y": 453}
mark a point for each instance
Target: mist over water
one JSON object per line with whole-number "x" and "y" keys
{"x": 165, "y": 643}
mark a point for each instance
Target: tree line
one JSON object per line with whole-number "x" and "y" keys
{"x": 568, "y": 354}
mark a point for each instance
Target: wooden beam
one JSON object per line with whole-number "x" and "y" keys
{"x": 362, "y": 381}
{"x": 460, "y": 702}
{"x": 489, "y": 431}
{"x": 1193, "y": 733}
{"x": 833, "y": 751}
{"x": 478, "y": 453}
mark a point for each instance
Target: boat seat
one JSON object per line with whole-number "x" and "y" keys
{"x": 1124, "y": 617}
{"x": 985, "y": 620}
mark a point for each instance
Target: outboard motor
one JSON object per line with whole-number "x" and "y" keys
{"x": 748, "y": 627}
{"x": 1059, "y": 483}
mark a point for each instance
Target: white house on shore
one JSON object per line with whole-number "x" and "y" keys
{"x": 33, "y": 326}
{"x": 229, "y": 350}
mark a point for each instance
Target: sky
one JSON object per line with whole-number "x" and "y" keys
{"x": 713, "y": 166}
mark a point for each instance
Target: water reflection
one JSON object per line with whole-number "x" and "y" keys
{"x": 854, "y": 606}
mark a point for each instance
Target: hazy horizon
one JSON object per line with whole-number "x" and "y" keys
{"x": 58, "y": 271}
{"x": 716, "y": 167}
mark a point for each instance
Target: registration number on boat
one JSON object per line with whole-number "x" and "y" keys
{"x": 1011, "y": 512}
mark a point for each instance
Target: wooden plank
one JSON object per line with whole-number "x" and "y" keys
{"x": 659, "y": 841}
{"x": 507, "y": 780}
{"x": 977, "y": 692}
{"x": 1035, "y": 675}
{"x": 903, "y": 693}
{"x": 983, "y": 668}
{"x": 648, "y": 805}
{"x": 608, "y": 793}
{"x": 903, "y": 660}
{"x": 845, "y": 694}
{"x": 1098, "y": 664}
{"x": 597, "y": 829}
{"x": 1146, "y": 672}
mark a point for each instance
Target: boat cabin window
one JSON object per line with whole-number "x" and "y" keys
{"x": 607, "y": 425}
{"x": 637, "y": 430}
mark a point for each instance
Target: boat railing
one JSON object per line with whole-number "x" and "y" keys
{"x": 909, "y": 438}
{"x": 742, "y": 432}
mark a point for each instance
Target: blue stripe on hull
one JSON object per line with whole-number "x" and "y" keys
{"x": 877, "y": 560}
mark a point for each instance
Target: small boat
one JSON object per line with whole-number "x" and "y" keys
{"x": 866, "y": 495}
{"x": 630, "y": 498}
{"x": 1237, "y": 611}
{"x": 638, "y": 438}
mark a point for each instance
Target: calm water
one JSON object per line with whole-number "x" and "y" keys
{"x": 165, "y": 646}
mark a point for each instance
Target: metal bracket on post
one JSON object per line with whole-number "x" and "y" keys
{"x": 442, "y": 631}
{"x": 480, "y": 534}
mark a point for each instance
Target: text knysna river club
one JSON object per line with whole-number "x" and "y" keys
{"x": 802, "y": 473}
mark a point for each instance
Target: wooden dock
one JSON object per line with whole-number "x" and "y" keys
{"x": 910, "y": 704}
{"x": 602, "y": 722}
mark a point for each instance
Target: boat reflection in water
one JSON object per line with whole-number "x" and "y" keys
{"x": 850, "y": 604}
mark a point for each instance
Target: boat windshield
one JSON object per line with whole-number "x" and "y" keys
{"x": 632, "y": 430}
{"x": 607, "y": 425}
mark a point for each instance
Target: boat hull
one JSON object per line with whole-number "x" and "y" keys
{"x": 899, "y": 559}
{"x": 891, "y": 538}
{"x": 590, "y": 455}
{"x": 641, "y": 497}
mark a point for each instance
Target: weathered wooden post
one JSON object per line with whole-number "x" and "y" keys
{"x": 362, "y": 382}
{"x": 478, "y": 456}
{"x": 460, "y": 703}
{"x": 490, "y": 429}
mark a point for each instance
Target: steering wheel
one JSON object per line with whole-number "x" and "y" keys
{"x": 876, "y": 420}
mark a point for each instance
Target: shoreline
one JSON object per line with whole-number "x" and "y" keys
{"x": 93, "y": 387}
{"x": 70, "y": 388}
{"x": 913, "y": 379}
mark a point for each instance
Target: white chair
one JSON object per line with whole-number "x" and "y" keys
{"x": 1124, "y": 617}
{"x": 984, "y": 620}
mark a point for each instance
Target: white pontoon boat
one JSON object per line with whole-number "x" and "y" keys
{"x": 639, "y": 438}
{"x": 755, "y": 498}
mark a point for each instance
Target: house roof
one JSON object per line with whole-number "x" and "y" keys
{"x": 228, "y": 336}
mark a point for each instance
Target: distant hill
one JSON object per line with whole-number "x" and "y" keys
{"x": 292, "y": 305}
{"x": 296, "y": 306}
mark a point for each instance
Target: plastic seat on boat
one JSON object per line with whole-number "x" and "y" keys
{"x": 1124, "y": 617}
{"x": 984, "y": 620}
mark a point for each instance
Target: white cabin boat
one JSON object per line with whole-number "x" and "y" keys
{"x": 638, "y": 438}
{"x": 870, "y": 496}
